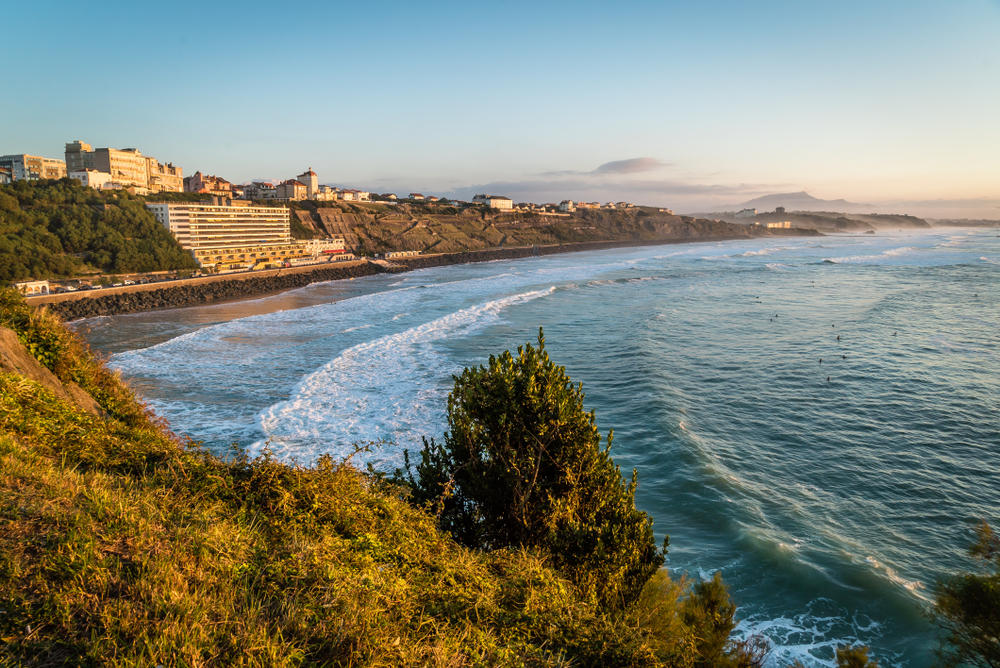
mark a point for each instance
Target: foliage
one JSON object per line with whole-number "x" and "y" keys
{"x": 123, "y": 545}
{"x": 967, "y": 608}
{"x": 48, "y": 228}
{"x": 522, "y": 466}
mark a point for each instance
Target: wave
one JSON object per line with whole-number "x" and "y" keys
{"x": 811, "y": 634}
{"x": 895, "y": 252}
{"x": 391, "y": 388}
{"x": 991, "y": 260}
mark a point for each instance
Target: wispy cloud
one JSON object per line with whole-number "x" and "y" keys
{"x": 630, "y": 166}
{"x": 658, "y": 192}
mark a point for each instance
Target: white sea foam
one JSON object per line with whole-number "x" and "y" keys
{"x": 392, "y": 388}
{"x": 863, "y": 259}
{"x": 991, "y": 260}
{"x": 813, "y": 635}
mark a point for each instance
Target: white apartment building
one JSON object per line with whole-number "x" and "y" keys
{"x": 229, "y": 236}
{"x": 494, "y": 201}
{"x": 746, "y": 213}
{"x": 331, "y": 246}
{"x": 91, "y": 178}
{"x": 567, "y": 206}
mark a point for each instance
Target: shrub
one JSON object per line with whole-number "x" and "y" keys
{"x": 967, "y": 608}
{"x": 522, "y": 466}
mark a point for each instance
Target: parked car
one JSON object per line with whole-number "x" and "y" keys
{"x": 129, "y": 282}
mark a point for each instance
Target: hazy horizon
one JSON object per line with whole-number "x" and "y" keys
{"x": 668, "y": 104}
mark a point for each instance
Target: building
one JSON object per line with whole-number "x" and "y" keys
{"x": 225, "y": 235}
{"x": 92, "y": 178}
{"x": 494, "y": 201}
{"x": 23, "y": 167}
{"x": 5, "y": 176}
{"x": 783, "y": 225}
{"x": 311, "y": 182}
{"x": 260, "y": 190}
{"x": 567, "y": 206}
{"x": 208, "y": 184}
{"x": 291, "y": 190}
{"x": 416, "y": 196}
{"x": 393, "y": 254}
{"x": 746, "y": 213}
{"x": 779, "y": 209}
{"x": 389, "y": 196}
{"x": 128, "y": 166}
{"x": 331, "y": 246}
{"x": 29, "y": 288}
{"x": 164, "y": 178}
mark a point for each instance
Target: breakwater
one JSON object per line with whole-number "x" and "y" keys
{"x": 132, "y": 299}
{"x": 428, "y": 261}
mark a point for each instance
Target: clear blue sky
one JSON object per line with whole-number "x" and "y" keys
{"x": 882, "y": 102}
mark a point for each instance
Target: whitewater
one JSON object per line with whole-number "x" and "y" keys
{"x": 815, "y": 417}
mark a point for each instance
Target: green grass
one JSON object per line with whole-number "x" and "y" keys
{"x": 122, "y": 544}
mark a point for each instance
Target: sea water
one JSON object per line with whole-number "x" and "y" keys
{"x": 815, "y": 417}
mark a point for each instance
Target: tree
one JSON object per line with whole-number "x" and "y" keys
{"x": 522, "y": 466}
{"x": 967, "y": 608}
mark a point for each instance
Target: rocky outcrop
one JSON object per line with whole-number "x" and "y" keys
{"x": 15, "y": 358}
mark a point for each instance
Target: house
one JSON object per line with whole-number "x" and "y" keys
{"x": 311, "y": 182}
{"x": 567, "y": 206}
{"x": 416, "y": 196}
{"x": 389, "y": 196}
{"x": 207, "y": 184}
{"x": 260, "y": 190}
{"x": 291, "y": 190}
{"x": 494, "y": 201}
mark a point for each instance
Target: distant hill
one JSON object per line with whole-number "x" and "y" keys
{"x": 800, "y": 201}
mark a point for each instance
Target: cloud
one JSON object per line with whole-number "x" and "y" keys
{"x": 630, "y": 166}
{"x": 587, "y": 187}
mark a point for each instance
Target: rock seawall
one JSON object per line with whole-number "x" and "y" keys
{"x": 185, "y": 295}
{"x": 425, "y": 262}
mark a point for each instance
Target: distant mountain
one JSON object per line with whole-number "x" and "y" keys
{"x": 801, "y": 201}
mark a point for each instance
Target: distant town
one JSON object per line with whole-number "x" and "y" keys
{"x": 237, "y": 227}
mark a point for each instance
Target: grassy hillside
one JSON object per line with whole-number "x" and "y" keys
{"x": 54, "y": 229}
{"x": 122, "y": 544}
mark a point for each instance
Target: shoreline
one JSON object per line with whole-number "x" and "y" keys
{"x": 209, "y": 289}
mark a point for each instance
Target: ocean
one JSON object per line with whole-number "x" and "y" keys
{"x": 815, "y": 417}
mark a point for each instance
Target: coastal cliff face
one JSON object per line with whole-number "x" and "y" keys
{"x": 432, "y": 229}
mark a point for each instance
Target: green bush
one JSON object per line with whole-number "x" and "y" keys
{"x": 967, "y": 608}
{"x": 522, "y": 466}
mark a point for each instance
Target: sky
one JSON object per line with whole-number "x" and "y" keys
{"x": 689, "y": 105}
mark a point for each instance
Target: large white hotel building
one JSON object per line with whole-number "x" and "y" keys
{"x": 234, "y": 237}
